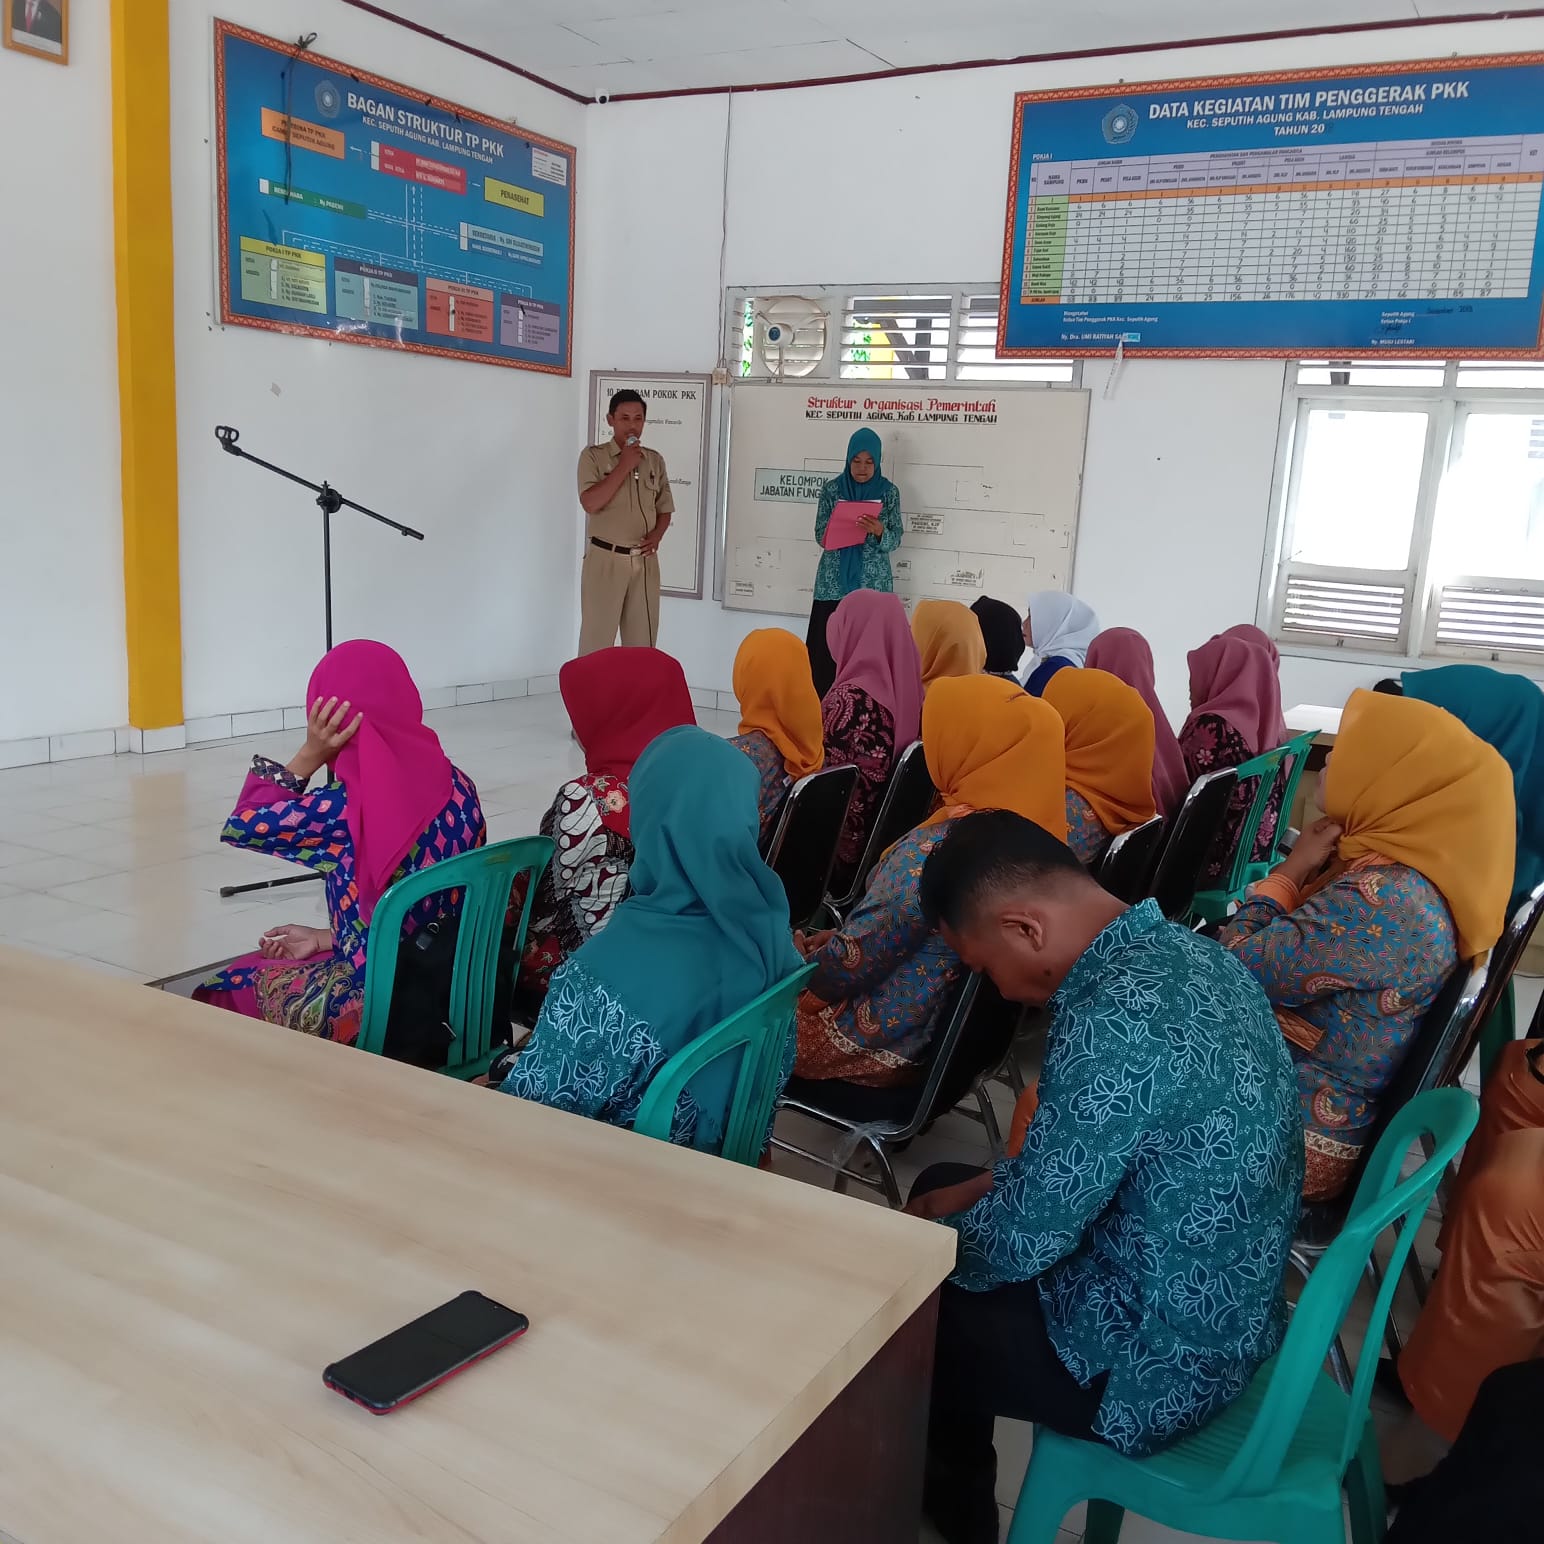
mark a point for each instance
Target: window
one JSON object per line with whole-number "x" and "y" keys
{"x": 1412, "y": 511}
{"x": 903, "y": 333}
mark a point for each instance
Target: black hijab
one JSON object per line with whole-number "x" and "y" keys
{"x": 1003, "y": 629}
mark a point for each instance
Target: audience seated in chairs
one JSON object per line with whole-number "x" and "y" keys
{"x": 704, "y": 932}
{"x": 392, "y": 804}
{"x": 1120, "y": 1278}
{"x": 1124, "y": 652}
{"x": 1109, "y": 749}
{"x": 872, "y": 1005}
{"x": 780, "y": 725}
{"x": 1058, "y": 629}
{"x": 1355, "y": 932}
{"x": 949, "y": 640}
{"x": 618, "y": 701}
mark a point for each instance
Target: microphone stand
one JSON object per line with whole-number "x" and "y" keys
{"x": 329, "y": 501}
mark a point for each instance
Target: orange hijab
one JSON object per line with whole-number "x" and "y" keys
{"x": 1110, "y": 735}
{"x": 777, "y": 696}
{"x": 1407, "y": 782}
{"x": 991, "y": 746}
{"x": 949, "y": 640}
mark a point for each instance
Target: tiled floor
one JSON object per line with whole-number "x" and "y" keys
{"x": 116, "y": 863}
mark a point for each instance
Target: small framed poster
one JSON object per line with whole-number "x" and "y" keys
{"x": 40, "y": 27}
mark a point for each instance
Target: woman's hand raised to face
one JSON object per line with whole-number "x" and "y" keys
{"x": 329, "y": 728}
{"x": 1315, "y": 848}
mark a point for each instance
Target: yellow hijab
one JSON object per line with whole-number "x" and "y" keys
{"x": 949, "y": 640}
{"x": 1406, "y": 781}
{"x": 991, "y": 746}
{"x": 777, "y": 696}
{"x": 1110, "y": 736}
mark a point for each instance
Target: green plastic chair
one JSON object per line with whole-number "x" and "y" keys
{"x": 761, "y": 1028}
{"x": 485, "y": 878}
{"x": 1273, "y": 1465}
{"x": 1213, "y": 905}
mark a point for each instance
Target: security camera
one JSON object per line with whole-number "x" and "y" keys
{"x": 603, "y": 97}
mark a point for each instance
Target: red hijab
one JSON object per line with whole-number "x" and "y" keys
{"x": 397, "y": 776}
{"x": 619, "y": 700}
{"x": 1235, "y": 679}
{"x": 1124, "y": 652}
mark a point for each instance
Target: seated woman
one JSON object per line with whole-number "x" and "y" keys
{"x": 874, "y": 710}
{"x": 1002, "y": 629}
{"x": 1235, "y": 715}
{"x": 1109, "y": 746}
{"x": 1058, "y": 630}
{"x": 618, "y": 701}
{"x": 780, "y": 726}
{"x": 704, "y": 932}
{"x": 392, "y": 804}
{"x": 949, "y": 640}
{"x": 1124, "y": 652}
{"x": 869, "y": 1014}
{"x": 1355, "y": 933}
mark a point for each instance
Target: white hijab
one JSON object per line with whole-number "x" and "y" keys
{"x": 1062, "y": 625}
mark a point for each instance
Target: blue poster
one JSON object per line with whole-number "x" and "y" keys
{"x": 355, "y": 209}
{"x": 1341, "y": 212}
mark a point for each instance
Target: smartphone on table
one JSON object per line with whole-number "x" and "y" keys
{"x": 411, "y": 1360}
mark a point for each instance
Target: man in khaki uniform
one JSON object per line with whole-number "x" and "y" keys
{"x": 625, "y": 491}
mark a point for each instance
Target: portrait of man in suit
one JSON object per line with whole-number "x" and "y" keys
{"x": 38, "y": 26}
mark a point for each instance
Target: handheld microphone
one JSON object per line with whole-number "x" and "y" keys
{"x": 632, "y": 439}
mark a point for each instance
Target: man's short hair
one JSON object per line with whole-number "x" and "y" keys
{"x": 625, "y": 398}
{"x": 987, "y": 854}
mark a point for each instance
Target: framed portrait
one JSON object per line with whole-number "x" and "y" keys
{"x": 40, "y": 27}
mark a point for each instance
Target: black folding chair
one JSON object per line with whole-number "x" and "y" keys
{"x": 976, "y": 1027}
{"x": 907, "y": 801}
{"x": 1128, "y": 862}
{"x": 803, "y": 846}
{"x": 1507, "y": 954}
{"x": 1191, "y": 833}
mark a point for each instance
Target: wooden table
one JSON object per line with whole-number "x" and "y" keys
{"x": 199, "y": 1212}
{"x": 1325, "y": 724}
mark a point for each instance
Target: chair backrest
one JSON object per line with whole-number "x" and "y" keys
{"x": 1445, "y": 1117}
{"x": 759, "y": 1033}
{"x": 803, "y": 847}
{"x": 1128, "y": 861}
{"x": 907, "y": 801}
{"x": 1191, "y": 834}
{"x": 1267, "y": 770}
{"x": 485, "y": 876}
{"x": 1505, "y": 957}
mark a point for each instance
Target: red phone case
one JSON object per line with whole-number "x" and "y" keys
{"x": 418, "y": 1393}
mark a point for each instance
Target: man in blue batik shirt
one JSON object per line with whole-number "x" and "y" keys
{"x": 1120, "y": 1278}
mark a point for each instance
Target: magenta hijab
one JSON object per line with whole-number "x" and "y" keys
{"x": 1235, "y": 679}
{"x": 397, "y": 776}
{"x": 1124, "y": 652}
{"x": 870, "y": 640}
{"x": 1262, "y": 640}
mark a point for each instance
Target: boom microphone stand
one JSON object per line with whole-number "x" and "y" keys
{"x": 329, "y": 501}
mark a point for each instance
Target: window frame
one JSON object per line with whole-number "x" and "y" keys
{"x": 1447, "y": 407}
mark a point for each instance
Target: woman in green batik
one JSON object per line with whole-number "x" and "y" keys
{"x": 863, "y": 567}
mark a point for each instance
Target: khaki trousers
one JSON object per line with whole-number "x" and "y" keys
{"x": 617, "y": 590}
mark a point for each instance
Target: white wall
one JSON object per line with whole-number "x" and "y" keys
{"x": 479, "y": 458}
{"x": 904, "y": 181}
{"x": 61, "y": 531}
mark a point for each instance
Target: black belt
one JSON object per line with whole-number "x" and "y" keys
{"x": 611, "y": 546}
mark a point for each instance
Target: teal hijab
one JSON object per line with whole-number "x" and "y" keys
{"x": 705, "y": 927}
{"x": 1507, "y": 712}
{"x": 850, "y": 559}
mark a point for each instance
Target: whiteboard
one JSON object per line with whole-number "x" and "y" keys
{"x": 989, "y": 483}
{"x": 677, "y": 427}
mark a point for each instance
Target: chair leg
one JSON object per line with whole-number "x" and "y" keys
{"x": 1340, "y": 1369}
{"x": 1104, "y": 1523}
{"x": 1415, "y": 1274}
{"x": 1038, "y": 1514}
{"x": 886, "y": 1174}
{"x": 994, "y": 1134}
{"x": 1366, "y": 1499}
{"x": 1013, "y": 1073}
{"x": 1393, "y": 1338}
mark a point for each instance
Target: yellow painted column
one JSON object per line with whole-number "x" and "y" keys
{"x": 147, "y": 378}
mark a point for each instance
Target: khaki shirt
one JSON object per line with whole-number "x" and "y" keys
{"x": 635, "y": 509}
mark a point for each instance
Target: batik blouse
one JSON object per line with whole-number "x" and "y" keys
{"x": 1211, "y": 744}
{"x": 324, "y": 994}
{"x": 1349, "y": 972}
{"x": 775, "y": 781}
{"x": 1157, "y": 1190}
{"x": 585, "y": 882}
{"x": 876, "y": 549}
{"x": 859, "y": 732}
{"x": 1085, "y": 836}
{"x": 872, "y": 1005}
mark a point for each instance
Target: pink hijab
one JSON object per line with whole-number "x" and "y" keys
{"x": 1124, "y": 652}
{"x": 1261, "y": 639}
{"x": 870, "y": 640}
{"x": 1235, "y": 679}
{"x": 397, "y": 776}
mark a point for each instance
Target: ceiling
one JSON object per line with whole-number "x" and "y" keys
{"x": 611, "y": 47}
